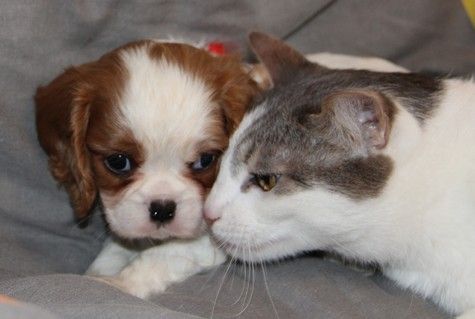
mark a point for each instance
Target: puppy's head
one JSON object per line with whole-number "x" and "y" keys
{"x": 142, "y": 129}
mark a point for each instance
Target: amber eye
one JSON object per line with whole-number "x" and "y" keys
{"x": 202, "y": 163}
{"x": 265, "y": 182}
{"x": 119, "y": 164}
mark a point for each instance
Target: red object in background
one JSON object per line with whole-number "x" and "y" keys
{"x": 217, "y": 48}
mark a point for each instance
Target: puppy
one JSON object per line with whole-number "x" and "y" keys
{"x": 140, "y": 131}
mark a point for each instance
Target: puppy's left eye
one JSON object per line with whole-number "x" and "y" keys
{"x": 205, "y": 161}
{"x": 119, "y": 164}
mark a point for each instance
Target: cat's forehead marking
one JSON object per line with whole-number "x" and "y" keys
{"x": 241, "y": 140}
{"x": 275, "y": 142}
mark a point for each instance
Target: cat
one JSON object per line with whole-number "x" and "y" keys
{"x": 376, "y": 167}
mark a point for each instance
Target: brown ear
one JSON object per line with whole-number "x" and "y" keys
{"x": 260, "y": 75}
{"x": 62, "y": 114}
{"x": 278, "y": 58}
{"x": 237, "y": 90}
{"x": 237, "y": 100}
{"x": 362, "y": 119}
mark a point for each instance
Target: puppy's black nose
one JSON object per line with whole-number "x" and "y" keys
{"x": 162, "y": 210}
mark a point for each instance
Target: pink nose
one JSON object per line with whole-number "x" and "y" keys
{"x": 210, "y": 217}
{"x": 210, "y": 221}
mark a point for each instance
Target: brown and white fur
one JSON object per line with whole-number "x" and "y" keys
{"x": 376, "y": 167}
{"x": 150, "y": 110}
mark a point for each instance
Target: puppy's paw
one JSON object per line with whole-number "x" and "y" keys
{"x": 112, "y": 259}
{"x": 96, "y": 271}
{"x": 134, "y": 285}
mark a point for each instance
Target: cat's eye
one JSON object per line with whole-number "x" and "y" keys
{"x": 265, "y": 182}
{"x": 119, "y": 164}
{"x": 203, "y": 162}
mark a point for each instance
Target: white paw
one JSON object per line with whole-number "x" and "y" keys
{"x": 136, "y": 286}
{"x": 111, "y": 260}
{"x": 95, "y": 271}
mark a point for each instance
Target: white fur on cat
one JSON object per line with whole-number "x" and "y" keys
{"x": 421, "y": 229}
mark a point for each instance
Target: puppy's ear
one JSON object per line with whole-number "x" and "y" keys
{"x": 278, "y": 58}
{"x": 361, "y": 120}
{"x": 260, "y": 75}
{"x": 62, "y": 115}
{"x": 237, "y": 90}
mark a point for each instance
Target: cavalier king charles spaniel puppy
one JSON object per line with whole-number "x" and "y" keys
{"x": 140, "y": 132}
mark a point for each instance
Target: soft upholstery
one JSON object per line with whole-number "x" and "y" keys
{"x": 42, "y": 251}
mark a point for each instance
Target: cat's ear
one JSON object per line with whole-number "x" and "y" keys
{"x": 278, "y": 58}
{"x": 360, "y": 119}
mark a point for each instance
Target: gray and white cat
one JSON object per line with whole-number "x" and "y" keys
{"x": 377, "y": 167}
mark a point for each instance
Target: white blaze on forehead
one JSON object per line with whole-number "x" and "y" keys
{"x": 165, "y": 106}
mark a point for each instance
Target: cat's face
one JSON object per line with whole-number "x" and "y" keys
{"x": 301, "y": 159}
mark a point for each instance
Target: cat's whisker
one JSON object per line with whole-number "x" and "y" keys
{"x": 263, "y": 267}
{"x": 213, "y": 273}
{"x": 248, "y": 300}
{"x": 233, "y": 274}
{"x": 220, "y": 243}
{"x": 253, "y": 275}
{"x": 219, "y": 289}
{"x": 243, "y": 287}
{"x": 247, "y": 279}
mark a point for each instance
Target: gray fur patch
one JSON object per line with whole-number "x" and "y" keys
{"x": 283, "y": 142}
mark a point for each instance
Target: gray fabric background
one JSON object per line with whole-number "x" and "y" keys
{"x": 41, "y": 249}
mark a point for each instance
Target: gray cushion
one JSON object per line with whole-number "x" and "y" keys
{"x": 41, "y": 248}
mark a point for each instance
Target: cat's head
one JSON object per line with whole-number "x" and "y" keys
{"x": 308, "y": 153}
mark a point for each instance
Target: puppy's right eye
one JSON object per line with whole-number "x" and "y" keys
{"x": 205, "y": 161}
{"x": 119, "y": 164}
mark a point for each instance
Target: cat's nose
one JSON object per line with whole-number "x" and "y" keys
{"x": 209, "y": 217}
{"x": 210, "y": 221}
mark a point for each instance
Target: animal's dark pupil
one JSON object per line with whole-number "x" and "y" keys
{"x": 117, "y": 161}
{"x": 206, "y": 160}
{"x": 265, "y": 179}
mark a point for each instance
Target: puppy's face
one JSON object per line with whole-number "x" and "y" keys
{"x": 143, "y": 127}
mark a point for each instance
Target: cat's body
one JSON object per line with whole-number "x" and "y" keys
{"x": 376, "y": 167}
